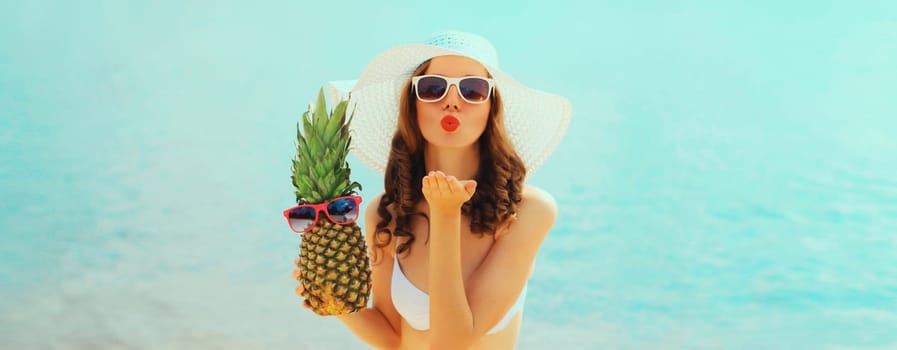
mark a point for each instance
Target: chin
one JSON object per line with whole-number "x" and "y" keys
{"x": 457, "y": 139}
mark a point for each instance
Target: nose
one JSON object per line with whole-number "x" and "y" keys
{"x": 452, "y": 98}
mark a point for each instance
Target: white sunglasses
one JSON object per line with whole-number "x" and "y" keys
{"x": 432, "y": 88}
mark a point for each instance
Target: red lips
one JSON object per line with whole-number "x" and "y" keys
{"x": 449, "y": 123}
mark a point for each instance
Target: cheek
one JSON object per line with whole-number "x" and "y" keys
{"x": 482, "y": 116}
{"x": 424, "y": 115}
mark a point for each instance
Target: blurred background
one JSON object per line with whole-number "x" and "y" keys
{"x": 729, "y": 179}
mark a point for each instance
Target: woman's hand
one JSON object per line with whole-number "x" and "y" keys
{"x": 300, "y": 290}
{"x": 446, "y": 192}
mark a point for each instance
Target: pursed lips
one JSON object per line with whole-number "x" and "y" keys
{"x": 449, "y": 123}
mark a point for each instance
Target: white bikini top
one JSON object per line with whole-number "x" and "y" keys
{"x": 414, "y": 305}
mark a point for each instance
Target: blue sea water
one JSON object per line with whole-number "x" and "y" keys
{"x": 728, "y": 180}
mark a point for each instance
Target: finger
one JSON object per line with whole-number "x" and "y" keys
{"x": 440, "y": 182}
{"x": 427, "y": 182}
{"x": 452, "y": 184}
{"x": 470, "y": 187}
{"x": 430, "y": 182}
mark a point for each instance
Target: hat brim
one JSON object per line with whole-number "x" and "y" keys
{"x": 535, "y": 121}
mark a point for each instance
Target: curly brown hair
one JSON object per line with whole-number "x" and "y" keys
{"x": 499, "y": 177}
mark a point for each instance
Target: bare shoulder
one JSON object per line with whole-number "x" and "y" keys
{"x": 536, "y": 204}
{"x": 536, "y": 214}
{"x": 371, "y": 220}
{"x": 370, "y": 212}
{"x": 537, "y": 195}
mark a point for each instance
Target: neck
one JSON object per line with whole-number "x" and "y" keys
{"x": 461, "y": 163}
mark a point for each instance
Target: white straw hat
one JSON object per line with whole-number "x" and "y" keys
{"x": 534, "y": 120}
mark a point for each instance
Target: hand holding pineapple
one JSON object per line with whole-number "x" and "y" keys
{"x": 445, "y": 192}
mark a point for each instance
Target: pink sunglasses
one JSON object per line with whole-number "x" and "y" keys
{"x": 340, "y": 211}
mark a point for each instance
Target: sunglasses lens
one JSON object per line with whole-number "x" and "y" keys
{"x": 343, "y": 210}
{"x": 302, "y": 218}
{"x": 431, "y": 88}
{"x": 474, "y": 89}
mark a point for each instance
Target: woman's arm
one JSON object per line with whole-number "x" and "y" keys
{"x": 497, "y": 283}
{"x": 458, "y": 317}
{"x": 369, "y": 324}
{"x": 451, "y": 320}
{"x": 372, "y": 327}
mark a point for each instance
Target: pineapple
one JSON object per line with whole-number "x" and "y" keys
{"x": 336, "y": 270}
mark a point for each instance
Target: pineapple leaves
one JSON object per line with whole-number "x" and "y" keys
{"x": 320, "y": 169}
{"x": 302, "y": 150}
{"x": 320, "y": 116}
{"x": 336, "y": 121}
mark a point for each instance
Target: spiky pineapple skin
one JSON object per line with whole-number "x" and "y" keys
{"x": 336, "y": 271}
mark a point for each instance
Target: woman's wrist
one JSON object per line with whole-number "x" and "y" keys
{"x": 445, "y": 212}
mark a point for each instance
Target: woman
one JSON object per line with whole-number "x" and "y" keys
{"x": 454, "y": 236}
